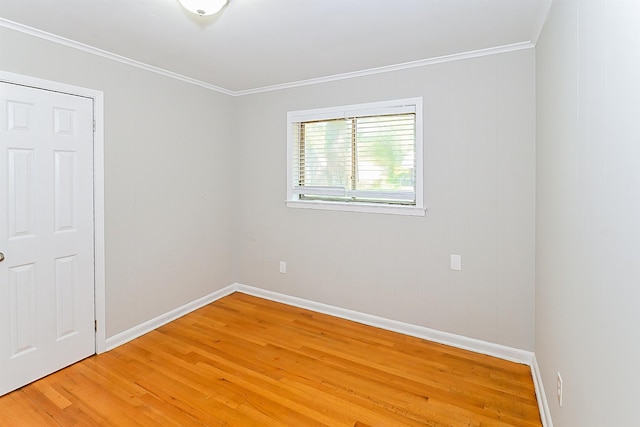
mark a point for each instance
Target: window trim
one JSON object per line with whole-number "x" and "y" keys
{"x": 293, "y": 200}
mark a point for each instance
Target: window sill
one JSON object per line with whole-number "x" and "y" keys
{"x": 357, "y": 207}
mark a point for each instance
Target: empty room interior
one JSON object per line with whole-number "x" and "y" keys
{"x": 509, "y": 238}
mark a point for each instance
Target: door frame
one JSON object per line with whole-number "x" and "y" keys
{"x": 98, "y": 188}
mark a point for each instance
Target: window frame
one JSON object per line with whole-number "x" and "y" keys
{"x": 372, "y": 108}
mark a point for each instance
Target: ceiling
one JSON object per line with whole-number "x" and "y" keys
{"x": 256, "y": 44}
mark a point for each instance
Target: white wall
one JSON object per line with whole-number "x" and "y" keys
{"x": 167, "y": 188}
{"x": 479, "y": 117}
{"x": 588, "y": 211}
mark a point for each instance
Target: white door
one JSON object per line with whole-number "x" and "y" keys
{"x": 46, "y": 233}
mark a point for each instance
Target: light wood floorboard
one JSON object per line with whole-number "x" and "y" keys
{"x": 245, "y": 361}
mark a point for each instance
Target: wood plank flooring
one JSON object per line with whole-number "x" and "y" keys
{"x": 245, "y": 361}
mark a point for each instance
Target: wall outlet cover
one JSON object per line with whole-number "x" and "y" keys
{"x": 456, "y": 262}
{"x": 559, "y": 389}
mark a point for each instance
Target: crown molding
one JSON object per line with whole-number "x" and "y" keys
{"x": 368, "y": 72}
{"x": 389, "y": 68}
{"x": 108, "y": 55}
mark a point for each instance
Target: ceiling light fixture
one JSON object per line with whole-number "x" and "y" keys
{"x": 203, "y": 7}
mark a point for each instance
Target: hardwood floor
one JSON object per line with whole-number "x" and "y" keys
{"x": 245, "y": 361}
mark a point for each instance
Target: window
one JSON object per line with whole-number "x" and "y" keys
{"x": 365, "y": 157}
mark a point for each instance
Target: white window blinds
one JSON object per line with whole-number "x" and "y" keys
{"x": 365, "y": 155}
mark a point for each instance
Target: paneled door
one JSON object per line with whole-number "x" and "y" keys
{"x": 46, "y": 233}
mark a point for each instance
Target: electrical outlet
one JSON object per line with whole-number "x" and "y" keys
{"x": 283, "y": 267}
{"x": 456, "y": 262}
{"x": 559, "y": 387}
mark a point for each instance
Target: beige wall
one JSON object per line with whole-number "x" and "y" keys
{"x": 588, "y": 211}
{"x": 195, "y": 189}
{"x": 167, "y": 188}
{"x": 479, "y": 127}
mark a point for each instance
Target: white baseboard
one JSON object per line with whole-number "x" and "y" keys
{"x": 545, "y": 414}
{"x": 458, "y": 341}
{"x": 150, "y": 325}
